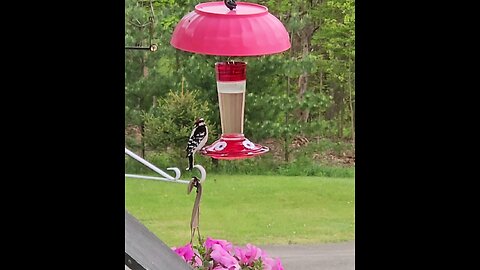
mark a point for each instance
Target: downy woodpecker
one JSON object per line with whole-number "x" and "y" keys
{"x": 197, "y": 140}
{"x": 230, "y": 4}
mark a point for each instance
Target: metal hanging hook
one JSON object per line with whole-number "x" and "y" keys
{"x": 166, "y": 177}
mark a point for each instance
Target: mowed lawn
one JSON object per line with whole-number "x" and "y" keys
{"x": 248, "y": 209}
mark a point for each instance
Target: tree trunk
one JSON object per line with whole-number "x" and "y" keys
{"x": 286, "y": 144}
{"x": 340, "y": 124}
{"x": 142, "y": 125}
{"x": 339, "y": 97}
{"x": 335, "y": 111}
{"x": 305, "y": 43}
{"x": 320, "y": 109}
{"x": 352, "y": 115}
{"x": 303, "y": 78}
{"x": 145, "y": 68}
{"x": 286, "y": 139}
{"x": 302, "y": 88}
{"x": 142, "y": 132}
{"x": 177, "y": 63}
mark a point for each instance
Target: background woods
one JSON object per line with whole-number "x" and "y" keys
{"x": 300, "y": 103}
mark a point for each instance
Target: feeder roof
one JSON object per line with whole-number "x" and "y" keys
{"x": 214, "y": 29}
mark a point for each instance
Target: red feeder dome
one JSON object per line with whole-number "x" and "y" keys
{"x": 213, "y": 29}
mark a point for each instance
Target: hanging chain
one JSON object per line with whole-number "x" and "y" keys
{"x": 195, "y": 220}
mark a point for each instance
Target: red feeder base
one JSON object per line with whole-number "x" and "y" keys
{"x": 233, "y": 146}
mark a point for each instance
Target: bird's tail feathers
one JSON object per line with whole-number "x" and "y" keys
{"x": 190, "y": 162}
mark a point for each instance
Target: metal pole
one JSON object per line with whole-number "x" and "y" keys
{"x": 137, "y": 48}
{"x": 151, "y": 48}
{"x": 148, "y": 164}
{"x": 156, "y": 178}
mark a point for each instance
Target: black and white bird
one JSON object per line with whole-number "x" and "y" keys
{"x": 197, "y": 140}
{"x": 230, "y": 4}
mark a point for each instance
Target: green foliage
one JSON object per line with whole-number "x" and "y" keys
{"x": 257, "y": 265}
{"x": 169, "y": 124}
{"x": 303, "y": 166}
{"x": 273, "y": 102}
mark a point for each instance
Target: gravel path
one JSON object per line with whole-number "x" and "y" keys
{"x": 335, "y": 256}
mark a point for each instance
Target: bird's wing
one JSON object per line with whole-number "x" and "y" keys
{"x": 196, "y": 139}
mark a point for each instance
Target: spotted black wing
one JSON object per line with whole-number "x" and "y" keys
{"x": 195, "y": 139}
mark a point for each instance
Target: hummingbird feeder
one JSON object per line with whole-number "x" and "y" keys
{"x": 247, "y": 29}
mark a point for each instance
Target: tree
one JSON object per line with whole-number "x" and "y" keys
{"x": 338, "y": 39}
{"x": 169, "y": 124}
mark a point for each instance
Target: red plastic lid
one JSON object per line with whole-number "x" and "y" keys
{"x": 233, "y": 146}
{"x": 213, "y": 29}
{"x": 231, "y": 71}
{"x": 219, "y": 8}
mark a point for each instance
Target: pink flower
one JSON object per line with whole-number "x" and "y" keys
{"x": 223, "y": 243}
{"x": 220, "y": 255}
{"x": 219, "y": 267}
{"x": 271, "y": 264}
{"x": 186, "y": 252}
{"x": 197, "y": 260}
{"x": 279, "y": 265}
{"x": 248, "y": 255}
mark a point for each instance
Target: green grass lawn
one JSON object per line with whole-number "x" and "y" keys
{"x": 248, "y": 209}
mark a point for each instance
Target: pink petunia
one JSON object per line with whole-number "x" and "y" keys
{"x": 249, "y": 254}
{"x": 219, "y": 267}
{"x": 197, "y": 261}
{"x": 223, "y": 243}
{"x": 220, "y": 255}
{"x": 186, "y": 252}
{"x": 271, "y": 264}
{"x": 279, "y": 265}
